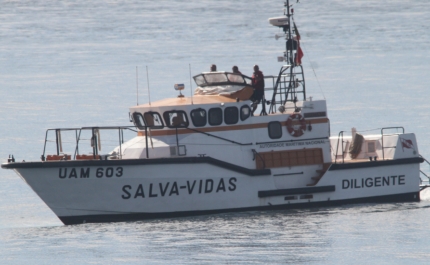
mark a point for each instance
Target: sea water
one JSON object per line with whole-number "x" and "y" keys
{"x": 83, "y": 63}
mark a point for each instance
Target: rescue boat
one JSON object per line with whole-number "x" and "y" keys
{"x": 210, "y": 153}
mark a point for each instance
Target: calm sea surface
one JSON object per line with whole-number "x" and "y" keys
{"x": 73, "y": 63}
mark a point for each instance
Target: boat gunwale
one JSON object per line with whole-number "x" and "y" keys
{"x": 136, "y": 162}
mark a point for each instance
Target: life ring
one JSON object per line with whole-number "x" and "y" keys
{"x": 296, "y": 130}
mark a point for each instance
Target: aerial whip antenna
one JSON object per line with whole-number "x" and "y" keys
{"x": 147, "y": 78}
{"x": 137, "y": 88}
{"x": 191, "y": 89}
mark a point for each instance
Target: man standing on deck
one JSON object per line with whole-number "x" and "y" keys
{"x": 258, "y": 84}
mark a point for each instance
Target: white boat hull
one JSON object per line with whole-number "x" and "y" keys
{"x": 103, "y": 191}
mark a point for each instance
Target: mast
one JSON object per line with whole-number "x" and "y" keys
{"x": 290, "y": 82}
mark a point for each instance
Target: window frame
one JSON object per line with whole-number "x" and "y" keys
{"x": 166, "y": 116}
{"x": 249, "y": 113}
{"x": 368, "y": 150}
{"x": 209, "y": 116}
{"x": 193, "y": 120}
{"x": 270, "y": 132}
{"x": 137, "y": 124}
{"x": 227, "y": 115}
{"x": 154, "y": 126}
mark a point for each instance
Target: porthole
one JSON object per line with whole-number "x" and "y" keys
{"x": 198, "y": 117}
{"x": 275, "y": 129}
{"x": 176, "y": 119}
{"x": 245, "y": 112}
{"x": 231, "y": 115}
{"x": 215, "y": 116}
{"x": 153, "y": 120}
{"x": 138, "y": 120}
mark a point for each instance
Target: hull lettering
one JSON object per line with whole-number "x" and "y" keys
{"x": 85, "y": 173}
{"x": 167, "y": 189}
{"x": 373, "y": 182}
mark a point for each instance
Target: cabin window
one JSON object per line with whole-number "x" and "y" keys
{"x": 245, "y": 112}
{"x": 231, "y": 115}
{"x": 198, "y": 116}
{"x": 216, "y": 78}
{"x": 215, "y": 116}
{"x": 371, "y": 146}
{"x": 176, "y": 119}
{"x": 200, "y": 80}
{"x": 139, "y": 121}
{"x": 153, "y": 120}
{"x": 275, "y": 129}
{"x": 235, "y": 78}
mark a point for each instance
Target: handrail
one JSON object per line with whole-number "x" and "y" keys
{"x": 428, "y": 163}
{"x": 257, "y": 154}
{"x": 286, "y": 84}
{"x": 221, "y": 138}
{"x": 78, "y": 136}
{"x": 275, "y": 88}
{"x": 382, "y": 138}
{"x": 337, "y": 148}
{"x": 77, "y": 143}
{"x": 291, "y": 141}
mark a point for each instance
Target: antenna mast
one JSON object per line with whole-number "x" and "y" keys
{"x": 191, "y": 89}
{"x": 137, "y": 88}
{"x": 288, "y": 83}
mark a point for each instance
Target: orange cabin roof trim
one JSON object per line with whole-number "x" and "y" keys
{"x": 198, "y": 99}
{"x": 187, "y": 101}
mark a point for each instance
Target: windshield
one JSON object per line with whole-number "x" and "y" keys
{"x": 216, "y": 78}
{"x": 221, "y": 78}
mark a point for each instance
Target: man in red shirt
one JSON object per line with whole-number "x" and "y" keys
{"x": 258, "y": 84}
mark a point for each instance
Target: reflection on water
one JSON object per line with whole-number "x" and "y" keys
{"x": 382, "y": 233}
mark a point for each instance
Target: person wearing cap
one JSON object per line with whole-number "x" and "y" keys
{"x": 258, "y": 84}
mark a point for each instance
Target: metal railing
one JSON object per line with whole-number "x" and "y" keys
{"x": 382, "y": 138}
{"x": 94, "y": 138}
{"x": 340, "y": 138}
{"x": 422, "y": 172}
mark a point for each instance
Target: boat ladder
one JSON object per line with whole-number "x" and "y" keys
{"x": 424, "y": 183}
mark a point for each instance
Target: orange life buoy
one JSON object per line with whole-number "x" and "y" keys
{"x": 299, "y": 127}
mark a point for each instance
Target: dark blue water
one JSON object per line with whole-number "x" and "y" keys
{"x": 73, "y": 63}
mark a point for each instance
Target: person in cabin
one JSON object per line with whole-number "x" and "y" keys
{"x": 178, "y": 121}
{"x": 213, "y": 68}
{"x": 236, "y": 70}
{"x": 236, "y": 76}
{"x": 258, "y": 84}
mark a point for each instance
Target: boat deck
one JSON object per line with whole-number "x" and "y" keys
{"x": 349, "y": 161}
